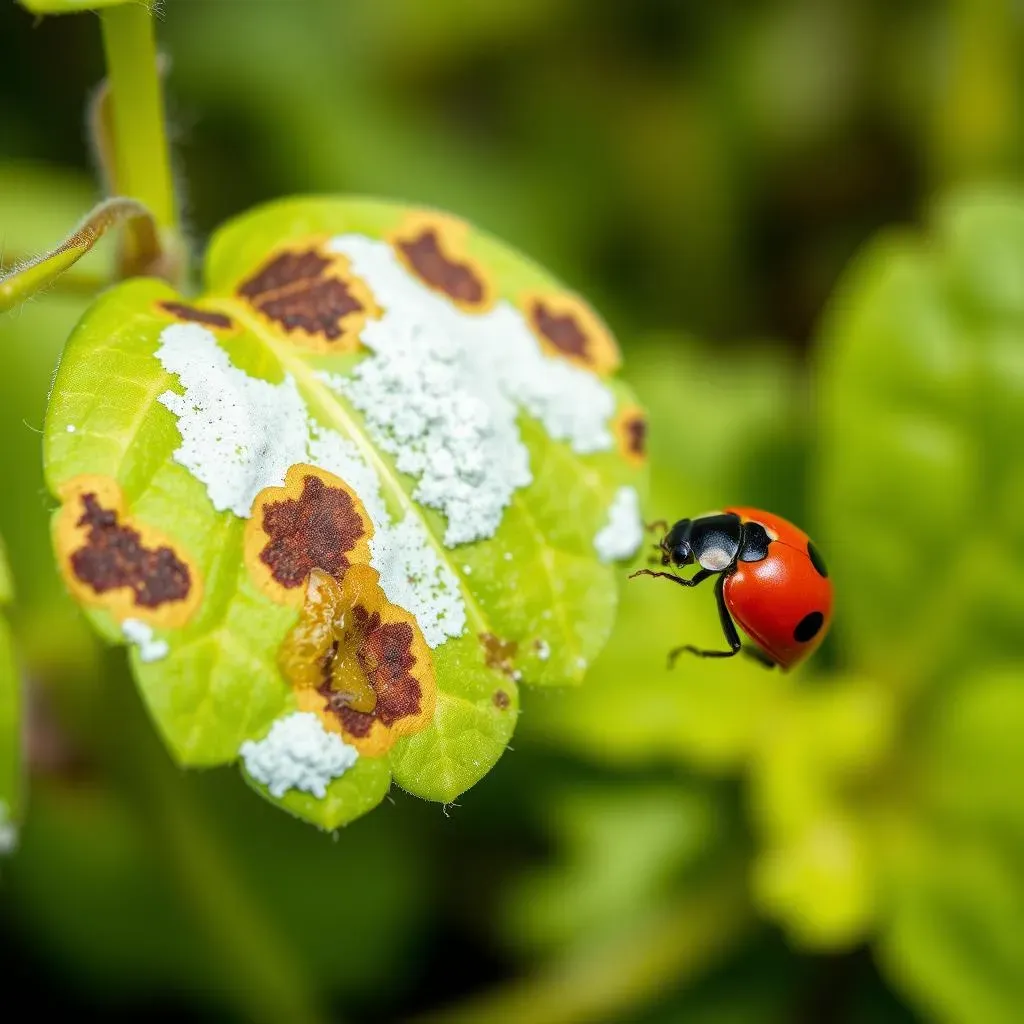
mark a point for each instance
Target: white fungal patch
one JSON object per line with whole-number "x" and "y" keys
{"x": 140, "y": 634}
{"x": 240, "y": 434}
{"x": 623, "y": 534}
{"x": 298, "y": 753}
{"x": 443, "y": 389}
{"x": 8, "y": 830}
{"x": 413, "y": 576}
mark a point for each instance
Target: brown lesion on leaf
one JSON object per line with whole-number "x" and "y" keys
{"x": 502, "y": 701}
{"x": 359, "y": 662}
{"x": 630, "y": 430}
{"x": 432, "y": 246}
{"x": 194, "y": 315}
{"x": 312, "y": 296}
{"x": 315, "y": 521}
{"x": 569, "y": 329}
{"x": 499, "y": 654}
{"x": 110, "y": 560}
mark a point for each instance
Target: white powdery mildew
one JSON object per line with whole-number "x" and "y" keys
{"x": 298, "y": 753}
{"x": 444, "y": 387}
{"x": 424, "y": 404}
{"x": 8, "y": 831}
{"x": 414, "y": 577}
{"x": 624, "y": 532}
{"x": 241, "y": 434}
{"x": 140, "y": 634}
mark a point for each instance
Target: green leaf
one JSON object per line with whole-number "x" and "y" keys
{"x": 954, "y": 945}
{"x": 921, "y": 474}
{"x": 953, "y": 941}
{"x": 391, "y": 398}
{"x": 10, "y": 723}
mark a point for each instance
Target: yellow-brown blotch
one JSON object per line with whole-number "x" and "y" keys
{"x": 110, "y": 560}
{"x": 315, "y": 521}
{"x": 567, "y": 327}
{"x": 630, "y": 430}
{"x": 312, "y": 296}
{"x": 359, "y": 662}
{"x": 432, "y": 246}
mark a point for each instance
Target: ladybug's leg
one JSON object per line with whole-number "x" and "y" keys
{"x": 732, "y": 638}
{"x": 698, "y": 577}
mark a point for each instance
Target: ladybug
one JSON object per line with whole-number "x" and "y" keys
{"x": 770, "y": 578}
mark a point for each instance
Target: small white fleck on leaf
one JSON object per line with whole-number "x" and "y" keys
{"x": 140, "y": 634}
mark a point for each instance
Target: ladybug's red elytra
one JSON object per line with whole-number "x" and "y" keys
{"x": 770, "y": 578}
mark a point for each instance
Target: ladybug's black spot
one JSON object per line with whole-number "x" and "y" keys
{"x": 807, "y": 628}
{"x": 816, "y": 560}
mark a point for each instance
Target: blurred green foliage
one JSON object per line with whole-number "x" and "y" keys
{"x": 718, "y": 843}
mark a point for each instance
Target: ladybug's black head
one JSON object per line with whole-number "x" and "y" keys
{"x": 675, "y": 545}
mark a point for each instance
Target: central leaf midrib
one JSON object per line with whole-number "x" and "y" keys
{"x": 343, "y": 421}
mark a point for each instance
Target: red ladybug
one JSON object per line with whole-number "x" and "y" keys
{"x": 770, "y": 578}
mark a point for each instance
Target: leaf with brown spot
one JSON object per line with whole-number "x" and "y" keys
{"x": 432, "y": 247}
{"x": 125, "y": 567}
{"x": 228, "y": 475}
{"x": 316, "y": 521}
{"x": 195, "y": 315}
{"x": 630, "y": 428}
{"x": 311, "y": 297}
{"x": 375, "y": 677}
{"x": 567, "y": 327}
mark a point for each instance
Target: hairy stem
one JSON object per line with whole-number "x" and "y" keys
{"x": 25, "y": 279}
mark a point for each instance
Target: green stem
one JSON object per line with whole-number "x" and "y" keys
{"x": 139, "y": 156}
{"x": 614, "y": 979}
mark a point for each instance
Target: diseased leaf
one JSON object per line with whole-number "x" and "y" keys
{"x": 10, "y": 723}
{"x": 347, "y": 499}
